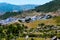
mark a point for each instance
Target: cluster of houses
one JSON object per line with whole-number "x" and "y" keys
{"x": 7, "y": 21}
{"x": 33, "y": 18}
{"x": 25, "y": 19}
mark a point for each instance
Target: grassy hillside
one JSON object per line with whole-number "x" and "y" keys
{"x": 57, "y": 20}
{"x": 53, "y": 21}
{"x": 34, "y": 24}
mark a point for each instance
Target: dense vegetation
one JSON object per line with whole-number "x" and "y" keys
{"x": 11, "y": 31}
{"x": 17, "y": 30}
{"x": 49, "y": 7}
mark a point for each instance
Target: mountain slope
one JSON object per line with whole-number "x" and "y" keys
{"x": 49, "y": 7}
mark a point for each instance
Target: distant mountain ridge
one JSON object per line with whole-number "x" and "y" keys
{"x": 6, "y": 7}
{"x": 28, "y": 6}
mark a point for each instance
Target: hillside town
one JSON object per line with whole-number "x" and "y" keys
{"x": 25, "y": 19}
{"x": 29, "y": 19}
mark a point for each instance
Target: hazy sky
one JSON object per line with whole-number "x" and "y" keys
{"x": 23, "y": 2}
